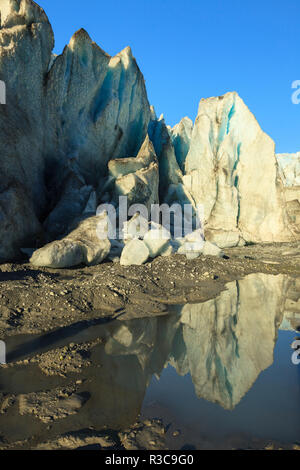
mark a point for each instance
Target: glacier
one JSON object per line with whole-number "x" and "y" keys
{"x": 289, "y": 169}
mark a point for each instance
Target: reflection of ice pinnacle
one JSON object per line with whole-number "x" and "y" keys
{"x": 2, "y": 92}
{"x": 223, "y": 361}
{"x": 2, "y": 352}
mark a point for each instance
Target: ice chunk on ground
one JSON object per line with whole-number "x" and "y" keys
{"x": 82, "y": 245}
{"x": 157, "y": 239}
{"x": 210, "y": 249}
{"x": 192, "y": 244}
{"x": 192, "y": 255}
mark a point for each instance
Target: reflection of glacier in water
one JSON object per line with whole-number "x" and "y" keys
{"x": 215, "y": 370}
{"x": 222, "y": 345}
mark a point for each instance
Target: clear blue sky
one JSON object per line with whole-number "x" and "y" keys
{"x": 189, "y": 49}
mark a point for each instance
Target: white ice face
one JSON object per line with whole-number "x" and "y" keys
{"x": 69, "y": 120}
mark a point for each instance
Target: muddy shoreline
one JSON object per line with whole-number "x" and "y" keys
{"x": 35, "y": 301}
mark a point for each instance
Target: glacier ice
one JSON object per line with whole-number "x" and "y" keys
{"x": 221, "y": 346}
{"x": 82, "y": 105}
{"x": 289, "y": 170}
{"x": 81, "y": 246}
{"x": 181, "y": 135}
{"x": 157, "y": 240}
{"x": 289, "y": 167}
{"x": 137, "y": 178}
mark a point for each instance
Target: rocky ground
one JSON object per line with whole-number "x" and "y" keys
{"x": 43, "y": 301}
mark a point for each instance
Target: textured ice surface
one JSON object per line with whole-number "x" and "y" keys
{"x": 82, "y": 106}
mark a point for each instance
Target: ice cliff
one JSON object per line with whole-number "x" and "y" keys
{"x": 289, "y": 167}
{"x": 71, "y": 118}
